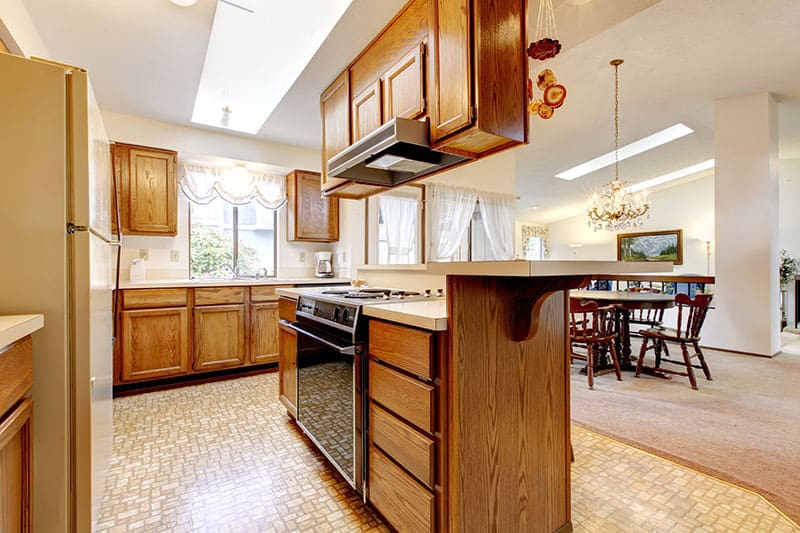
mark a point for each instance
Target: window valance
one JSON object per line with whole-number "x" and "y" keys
{"x": 238, "y": 186}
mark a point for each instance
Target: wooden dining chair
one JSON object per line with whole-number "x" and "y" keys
{"x": 691, "y": 315}
{"x": 645, "y": 317}
{"x": 592, "y": 328}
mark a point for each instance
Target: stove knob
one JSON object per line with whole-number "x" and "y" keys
{"x": 427, "y": 293}
{"x": 345, "y": 316}
{"x": 336, "y": 312}
{"x": 439, "y": 292}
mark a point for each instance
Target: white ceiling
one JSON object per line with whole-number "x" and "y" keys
{"x": 146, "y": 58}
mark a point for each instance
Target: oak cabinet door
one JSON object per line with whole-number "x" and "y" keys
{"x": 452, "y": 70}
{"x": 148, "y": 191}
{"x": 15, "y": 469}
{"x": 367, "y": 116}
{"x": 154, "y": 343}
{"x": 335, "y": 110}
{"x": 404, "y": 87}
{"x": 287, "y": 370}
{"x": 219, "y": 336}
{"x": 310, "y": 216}
{"x": 264, "y": 345}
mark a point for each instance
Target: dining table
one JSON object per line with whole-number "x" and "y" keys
{"x": 624, "y": 302}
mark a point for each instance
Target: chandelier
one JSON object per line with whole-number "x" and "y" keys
{"x": 614, "y": 207}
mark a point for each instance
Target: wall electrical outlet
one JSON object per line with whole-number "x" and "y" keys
{"x": 302, "y": 257}
{"x": 144, "y": 253}
{"x": 174, "y": 256}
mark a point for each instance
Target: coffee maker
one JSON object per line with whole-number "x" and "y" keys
{"x": 322, "y": 265}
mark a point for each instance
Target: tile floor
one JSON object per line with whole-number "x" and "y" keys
{"x": 224, "y": 457}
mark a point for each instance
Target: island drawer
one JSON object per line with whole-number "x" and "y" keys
{"x": 410, "y": 448}
{"x": 151, "y": 298}
{"x": 406, "y": 504}
{"x": 406, "y": 348}
{"x": 16, "y": 372}
{"x": 404, "y": 396}
{"x": 265, "y": 293}
{"x": 219, "y": 295}
{"x": 287, "y": 308}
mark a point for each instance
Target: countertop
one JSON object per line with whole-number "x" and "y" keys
{"x": 174, "y": 283}
{"x": 533, "y": 269}
{"x": 426, "y": 314}
{"x": 14, "y": 327}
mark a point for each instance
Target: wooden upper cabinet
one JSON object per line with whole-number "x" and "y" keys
{"x": 451, "y": 108}
{"x": 310, "y": 216}
{"x": 366, "y": 114}
{"x": 480, "y": 73}
{"x": 148, "y": 189}
{"x": 335, "y": 110}
{"x": 404, "y": 86}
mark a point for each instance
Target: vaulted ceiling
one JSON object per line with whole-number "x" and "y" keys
{"x": 146, "y": 58}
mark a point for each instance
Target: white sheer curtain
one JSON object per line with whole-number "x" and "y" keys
{"x": 399, "y": 211}
{"x": 498, "y": 211}
{"x": 450, "y": 211}
{"x": 237, "y": 186}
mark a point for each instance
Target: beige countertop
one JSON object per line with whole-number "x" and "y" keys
{"x": 14, "y": 327}
{"x": 532, "y": 269}
{"x": 172, "y": 283}
{"x": 426, "y": 314}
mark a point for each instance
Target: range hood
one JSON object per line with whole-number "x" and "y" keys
{"x": 397, "y": 152}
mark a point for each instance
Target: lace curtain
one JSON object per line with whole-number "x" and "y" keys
{"x": 498, "y": 212}
{"x": 237, "y": 186}
{"x": 536, "y": 232}
{"x": 399, "y": 211}
{"x": 450, "y": 211}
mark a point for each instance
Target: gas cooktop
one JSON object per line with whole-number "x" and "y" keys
{"x": 367, "y": 295}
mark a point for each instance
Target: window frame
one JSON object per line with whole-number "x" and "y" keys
{"x": 235, "y": 228}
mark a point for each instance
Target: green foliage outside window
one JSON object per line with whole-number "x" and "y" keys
{"x": 212, "y": 250}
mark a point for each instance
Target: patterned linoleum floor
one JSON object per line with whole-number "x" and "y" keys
{"x": 224, "y": 457}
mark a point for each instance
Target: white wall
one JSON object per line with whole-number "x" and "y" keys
{"x": 294, "y": 259}
{"x": 689, "y": 207}
{"x": 19, "y": 32}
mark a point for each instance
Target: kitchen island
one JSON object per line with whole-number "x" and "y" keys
{"x": 498, "y": 391}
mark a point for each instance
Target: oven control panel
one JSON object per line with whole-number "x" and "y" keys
{"x": 342, "y": 314}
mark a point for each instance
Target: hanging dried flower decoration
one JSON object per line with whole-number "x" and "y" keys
{"x": 553, "y": 94}
{"x": 546, "y": 46}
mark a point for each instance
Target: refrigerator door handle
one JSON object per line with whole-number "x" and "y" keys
{"x": 74, "y": 228}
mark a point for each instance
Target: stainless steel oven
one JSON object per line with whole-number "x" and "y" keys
{"x": 330, "y": 388}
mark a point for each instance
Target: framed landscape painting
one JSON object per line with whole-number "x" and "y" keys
{"x": 651, "y": 246}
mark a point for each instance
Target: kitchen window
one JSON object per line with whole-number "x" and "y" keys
{"x": 227, "y": 239}
{"x": 395, "y": 221}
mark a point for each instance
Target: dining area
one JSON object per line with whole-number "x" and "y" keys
{"x": 659, "y": 311}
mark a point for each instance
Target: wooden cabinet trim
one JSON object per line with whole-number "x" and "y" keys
{"x": 406, "y": 504}
{"x": 406, "y": 397}
{"x": 406, "y": 348}
{"x": 153, "y": 298}
{"x": 16, "y": 437}
{"x": 366, "y": 115}
{"x": 218, "y": 295}
{"x": 16, "y": 372}
{"x": 407, "y": 446}
{"x": 411, "y": 66}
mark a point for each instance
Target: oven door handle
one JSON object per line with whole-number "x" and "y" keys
{"x": 344, "y": 350}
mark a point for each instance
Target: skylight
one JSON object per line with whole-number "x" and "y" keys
{"x": 629, "y": 150}
{"x": 256, "y": 51}
{"x": 705, "y": 165}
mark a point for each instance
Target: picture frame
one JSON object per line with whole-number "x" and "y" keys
{"x": 651, "y": 246}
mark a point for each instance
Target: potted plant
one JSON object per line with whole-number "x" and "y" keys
{"x": 789, "y": 268}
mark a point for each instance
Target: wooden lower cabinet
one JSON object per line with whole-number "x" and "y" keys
{"x": 264, "y": 332}
{"x": 219, "y": 340}
{"x": 155, "y": 343}
{"x": 287, "y": 370}
{"x": 15, "y": 468}
{"x": 406, "y": 504}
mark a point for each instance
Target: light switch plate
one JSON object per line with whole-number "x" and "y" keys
{"x": 174, "y": 256}
{"x": 302, "y": 257}
{"x": 144, "y": 253}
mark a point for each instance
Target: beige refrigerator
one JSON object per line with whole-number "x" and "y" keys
{"x": 59, "y": 258}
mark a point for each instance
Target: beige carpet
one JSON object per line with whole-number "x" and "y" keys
{"x": 743, "y": 427}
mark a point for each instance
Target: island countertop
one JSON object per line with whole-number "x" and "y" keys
{"x": 15, "y": 327}
{"x": 547, "y": 268}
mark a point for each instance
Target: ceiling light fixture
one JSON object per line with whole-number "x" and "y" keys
{"x": 705, "y": 165}
{"x": 629, "y": 150}
{"x": 184, "y": 3}
{"x": 616, "y": 208}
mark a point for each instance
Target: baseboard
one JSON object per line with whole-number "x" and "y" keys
{"x": 765, "y": 356}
